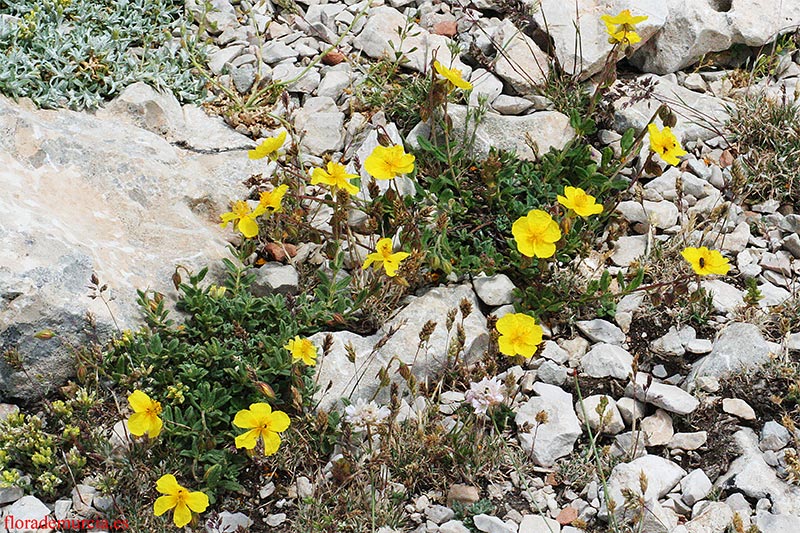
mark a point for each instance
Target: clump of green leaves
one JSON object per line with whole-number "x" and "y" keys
{"x": 397, "y": 94}
{"x": 768, "y": 134}
{"x": 480, "y": 200}
{"x": 78, "y": 53}
{"x": 229, "y": 352}
{"x": 40, "y": 453}
{"x": 466, "y": 512}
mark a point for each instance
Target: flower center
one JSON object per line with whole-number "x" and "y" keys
{"x": 702, "y": 262}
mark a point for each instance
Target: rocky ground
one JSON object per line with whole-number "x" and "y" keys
{"x": 686, "y": 425}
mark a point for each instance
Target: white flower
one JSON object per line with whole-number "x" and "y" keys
{"x": 362, "y": 414}
{"x": 484, "y": 394}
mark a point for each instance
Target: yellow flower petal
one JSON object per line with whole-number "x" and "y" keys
{"x": 280, "y": 421}
{"x": 245, "y": 419}
{"x": 182, "y": 515}
{"x": 271, "y": 443}
{"x": 665, "y": 144}
{"x": 388, "y": 163}
{"x": 705, "y": 262}
{"x": 535, "y": 234}
{"x": 261, "y": 409}
{"x": 506, "y": 345}
{"x": 167, "y": 484}
{"x": 197, "y": 501}
{"x": 519, "y": 334}
{"x": 139, "y": 401}
{"x": 452, "y": 75}
{"x": 269, "y": 147}
{"x": 247, "y": 440}
{"x": 164, "y": 504}
{"x": 155, "y": 427}
{"x": 248, "y": 227}
{"x": 139, "y": 424}
{"x": 544, "y": 249}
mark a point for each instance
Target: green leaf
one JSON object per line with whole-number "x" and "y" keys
{"x": 626, "y": 142}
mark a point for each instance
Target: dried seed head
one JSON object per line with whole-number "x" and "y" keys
{"x": 372, "y": 188}
{"x": 466, "y": 307}
{"x": 321, "y": 420}
{"x": 427, "y": 331}
{"x": 738, "y": 524}
{"x": 13, "y": 358}
{"x": 461, "y": 336}
{"x": 394, "y": 399}
{"x": 542, "y": 417}
{"x": 601, "y": 406}
{"x": 297, "y": 398}
{"x": 441, "y": 222}
{"x": 451, "y": 317}
{"x": 383, "y": 376}
{"x": 643, "y": 482}
{"x": 351, "y": 352}
{"x": 327, "y": 344}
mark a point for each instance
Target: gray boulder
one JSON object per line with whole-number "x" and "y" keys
{"x": 568, "y": 21}
{"x": 84, "y": 194}
{"x": 556, "y": 436}
{"x": 697, "y": 114}
{"x": 740, "y": 346}
{"x": 695, "y": 28}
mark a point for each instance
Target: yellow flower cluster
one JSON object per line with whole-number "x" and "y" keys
{"x": 622, "y": 28}
{"x": 536, "y": 235}
{"x": 537, "y": 232}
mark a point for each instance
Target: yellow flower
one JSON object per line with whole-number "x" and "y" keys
{"x": 622, "y": 28}
{"x": 452, "y": 75}
{"x": 302, "y": 350}
{"x": 705, "y": 261}
{"x": 178, "y": 498}
{"x": 388, "y": 163}
{"x": 262, "y": 422}
{"x": 665, "y": 144}
{"x": 576, "y": 199}
{"x": 268, "y": 148}
{"x": 271, "y": 200}
{"x": 145, "y": 415}
{"x": 385, "y": 257}
{"x": 246, "y": 218}
{"x": 519, "y": 335}
{"x": 336, "y": 177}
{"x": 216, "y": 291}
{"x": 536, "y": 234}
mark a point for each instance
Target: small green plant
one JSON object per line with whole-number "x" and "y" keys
{"x": 768, "y": 135}
{"x": 78, "y": 53}
{"x": 466, "y": 512}
{"x": 228, "y": 353}
{"x": 42, "y": 453}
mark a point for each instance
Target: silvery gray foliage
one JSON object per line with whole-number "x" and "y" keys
{"x": 78, "y": 53}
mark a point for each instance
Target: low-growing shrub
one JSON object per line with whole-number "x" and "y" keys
{"x": 77, "y": 53}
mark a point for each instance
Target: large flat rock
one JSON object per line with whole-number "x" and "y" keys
{"x": 84, "y": 194}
